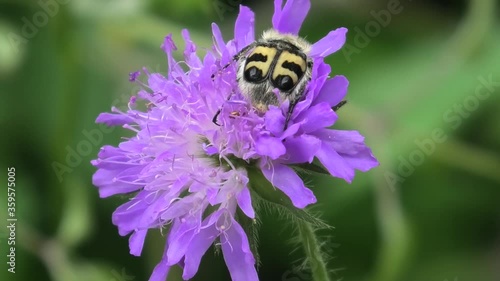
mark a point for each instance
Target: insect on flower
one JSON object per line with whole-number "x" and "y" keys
{"x": 276, "y": 61}
{"x": 272, "y": 69}
{"x": 195, "y": 182}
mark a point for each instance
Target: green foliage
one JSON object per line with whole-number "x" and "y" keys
{"x": 432, "y": 220}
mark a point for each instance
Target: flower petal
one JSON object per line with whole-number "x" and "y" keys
{"x": 301, "y": 149}
{"x": 112, "y": 119}
{"x": 136, "y": 242}
{"x": 330, "y": 43}
{"x": 160, "y": 272}
{"x": 180, "y": 239}
{"x": 270, "y": 146}
{"x": 158, "y": 83}
{"x": 237, "y": 254}
{"x": 169, "y": 47}
{"x": 245, "y": 202}
{"x": 350, "y": 145}
{"x": 199, "y": 245}
{"x": 278, "y": 4}
{"x": 116, "y": 181}
{"x": 177, "y": 208}
{"x": 244, "y": 33}
{"x": 285, "y": 179}
{"x": 333, "y": 91}
{"x": 334, "y": 163}
{"x": 190, "y": 55}
{"x": 127, "y": 216}
{"x": 290, "y": 18}
{"x": 219, "y": 42}
{"x": 317, "y": 117}
{"x": 320, "y": 73}
{"x": 275, "y": 121}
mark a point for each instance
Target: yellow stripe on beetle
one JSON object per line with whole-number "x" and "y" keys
{"x": 290, "y": 58}
{"x": 261, "y": 51}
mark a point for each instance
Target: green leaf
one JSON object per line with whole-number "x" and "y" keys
{"x": 266, "y": 195}
{"x": 308, "y": 168}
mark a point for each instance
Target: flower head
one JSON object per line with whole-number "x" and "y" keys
{"x": 189, "y": 175}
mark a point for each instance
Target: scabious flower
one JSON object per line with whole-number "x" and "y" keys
{"x": 189, "y": 176}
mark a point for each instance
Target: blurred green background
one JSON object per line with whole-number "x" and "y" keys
{"x": 419, "y": 93}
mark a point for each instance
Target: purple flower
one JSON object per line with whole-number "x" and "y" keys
{"x": 189, "y": 175}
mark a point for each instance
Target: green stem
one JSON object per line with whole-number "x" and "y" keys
{"x": 312, "y": 250}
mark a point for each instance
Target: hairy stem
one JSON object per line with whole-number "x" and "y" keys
{"x": 312, "y": 251}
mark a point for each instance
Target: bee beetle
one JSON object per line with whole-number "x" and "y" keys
{"x": 276, "y": 62}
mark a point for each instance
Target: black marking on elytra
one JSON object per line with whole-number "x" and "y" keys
{"x": 293, "y": 67}
{"x": 257, "y": 57}
{"x": 253, "y": 74}
{"x": 284, "y": 83}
